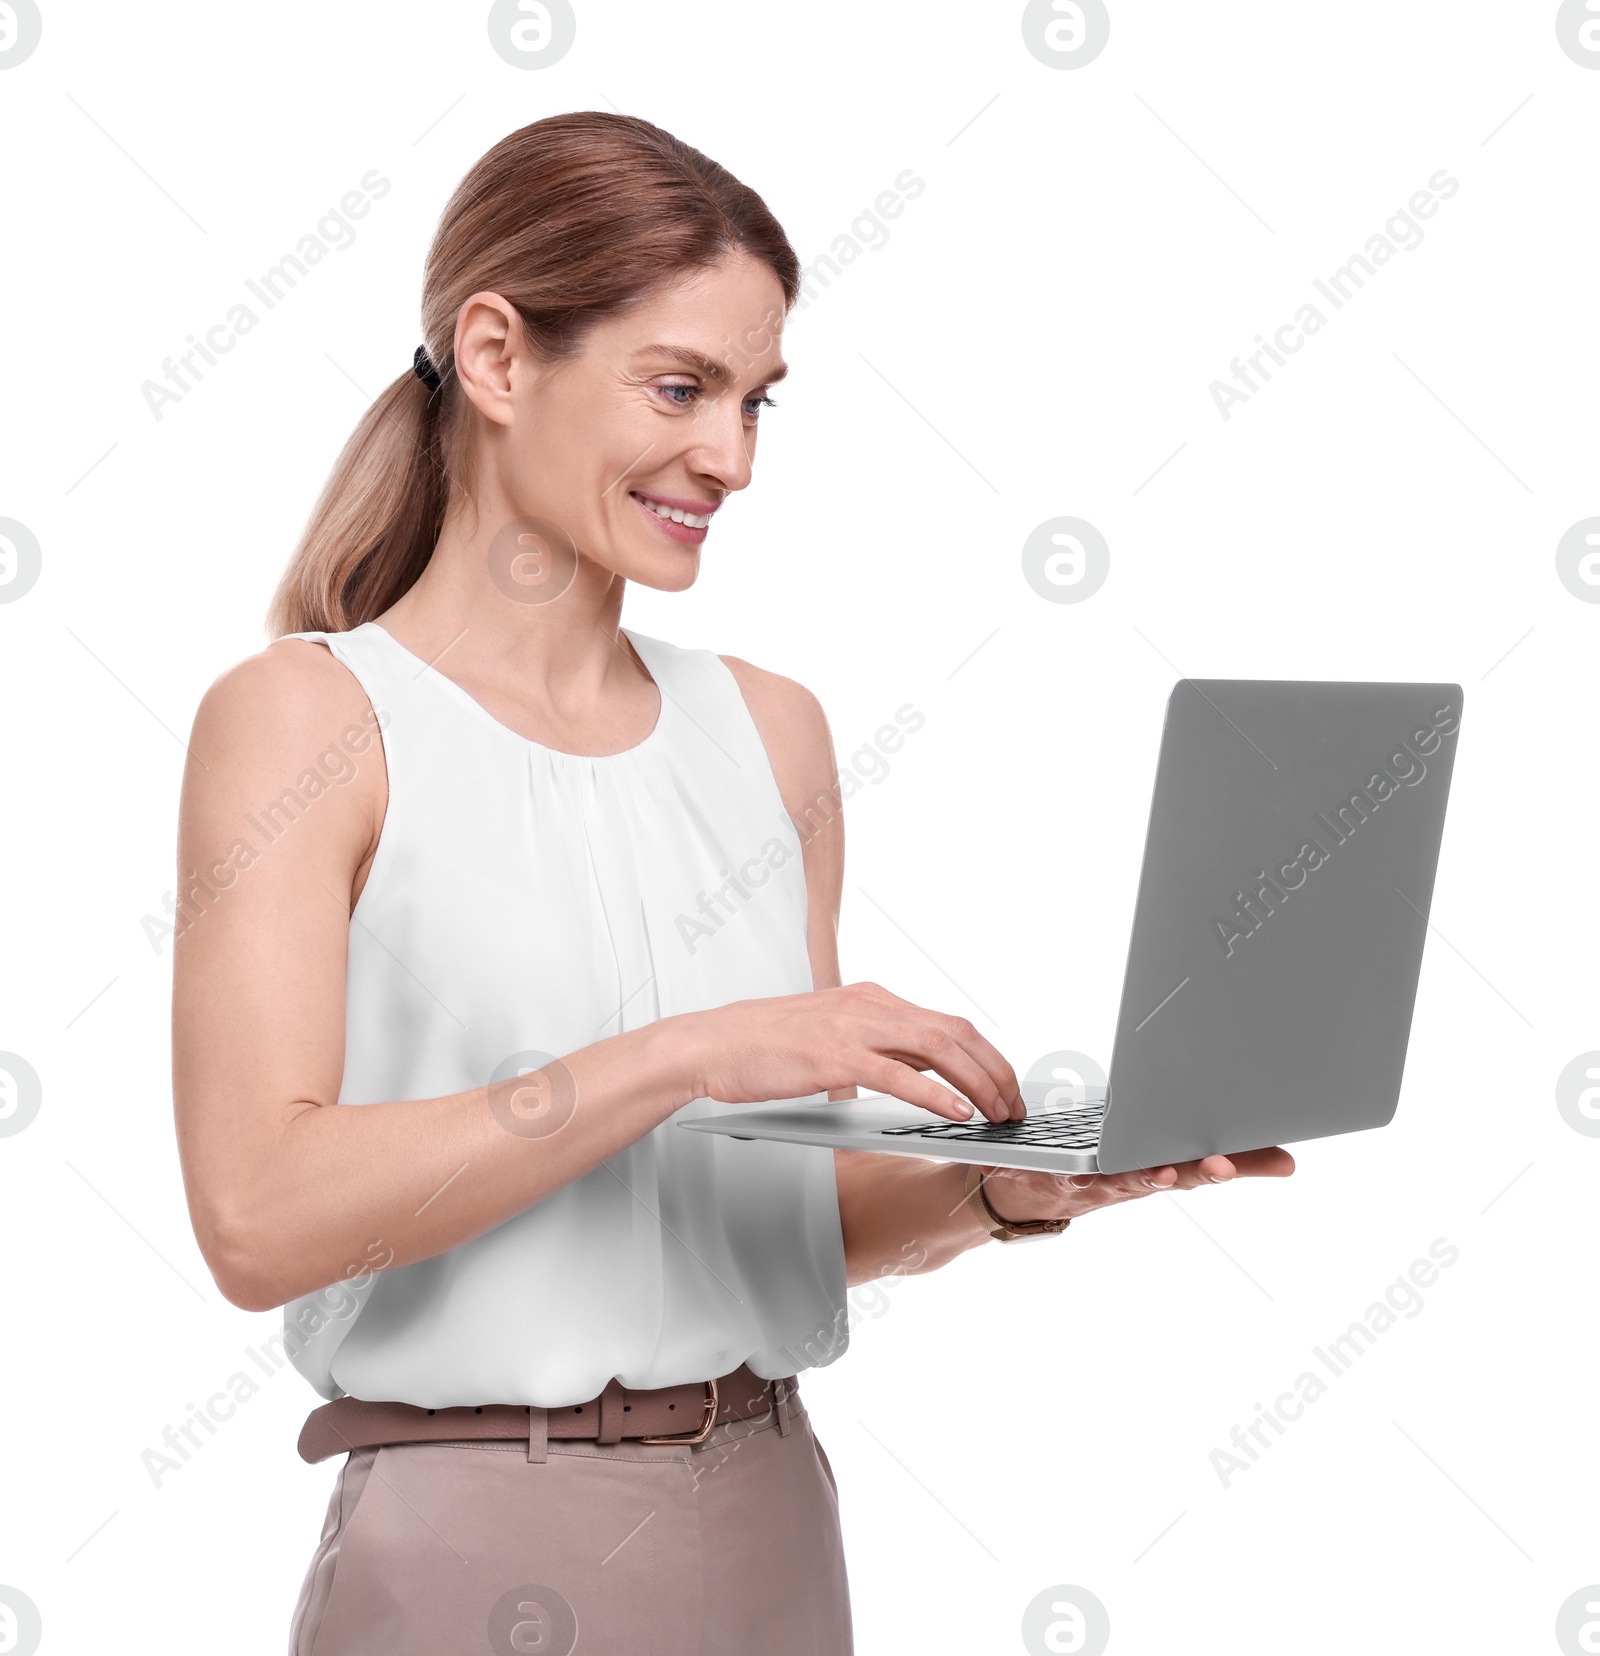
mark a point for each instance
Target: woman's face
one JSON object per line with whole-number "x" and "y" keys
{"x": 657, "y": 413}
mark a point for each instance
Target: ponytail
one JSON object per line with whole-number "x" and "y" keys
{"x": 374, "y": 526}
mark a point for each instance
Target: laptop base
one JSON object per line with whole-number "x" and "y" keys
{"x": 888, "y": 1126}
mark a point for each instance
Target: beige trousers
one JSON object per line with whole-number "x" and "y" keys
{"x": 728, "y": 1548}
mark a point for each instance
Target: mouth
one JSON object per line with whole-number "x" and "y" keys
{"x": 673, "y": 518}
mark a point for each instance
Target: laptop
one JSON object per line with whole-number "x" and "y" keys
{"x": 1277, "y": 938}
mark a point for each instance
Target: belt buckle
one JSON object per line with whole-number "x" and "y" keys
{"x": 702, "y": 1431}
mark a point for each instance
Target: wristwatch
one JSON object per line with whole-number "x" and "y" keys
{"x": 1007, "y": 1230}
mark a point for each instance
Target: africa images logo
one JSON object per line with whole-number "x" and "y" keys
{"x": 1404, "y": 768}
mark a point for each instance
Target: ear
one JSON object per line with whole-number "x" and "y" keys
{"x": 491, "y": 354}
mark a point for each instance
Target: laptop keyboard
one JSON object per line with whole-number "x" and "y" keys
{"x": 1077, "y": 1129}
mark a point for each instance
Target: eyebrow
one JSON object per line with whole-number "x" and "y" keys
{"x": 701, "y": 363}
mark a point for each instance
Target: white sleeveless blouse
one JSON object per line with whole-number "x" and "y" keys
{"x": 524, "y": 903}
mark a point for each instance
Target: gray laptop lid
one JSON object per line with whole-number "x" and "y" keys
{"x": 1282, "y": 909}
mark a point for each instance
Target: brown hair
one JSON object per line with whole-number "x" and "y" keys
{"x": 571, "y": 220}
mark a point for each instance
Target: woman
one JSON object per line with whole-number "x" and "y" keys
{"x": 439, "y": 845}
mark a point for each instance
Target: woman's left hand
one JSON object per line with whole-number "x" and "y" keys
{"x": 1018, "y": 1194}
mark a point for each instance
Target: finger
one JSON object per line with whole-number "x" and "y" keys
{"x": 1274, "y": 1163}
{"x": 882, "y": 1074}
{"x": 943, "y": 1050}
{"x": 1224, "y": 1169}
{"x": 1105, "y": 1189}
{"x": 1147, "y": 1181}
{"x": 925, "y": 1041}
{"x": 1157, "y": 1178}
{"x": 994, "y": 1062}
{"x": 1208, "y": 1170}
{"x": 1002, "y": 1077}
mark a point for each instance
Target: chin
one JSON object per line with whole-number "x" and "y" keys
{"x": 674, "y": 572}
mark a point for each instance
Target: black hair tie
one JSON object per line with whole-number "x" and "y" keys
{"x": 423, "y": 369}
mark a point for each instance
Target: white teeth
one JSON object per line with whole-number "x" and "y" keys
{"x": 692, "y": 520}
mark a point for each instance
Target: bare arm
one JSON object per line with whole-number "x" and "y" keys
{"x": 286, "y": 1190}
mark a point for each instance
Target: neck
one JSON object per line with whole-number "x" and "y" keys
{"x": 563, "y": 651}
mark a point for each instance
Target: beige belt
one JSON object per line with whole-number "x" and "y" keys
{"x": 665, "y": 1414}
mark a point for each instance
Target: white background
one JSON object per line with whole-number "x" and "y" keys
{"x": 1036, "y": 338}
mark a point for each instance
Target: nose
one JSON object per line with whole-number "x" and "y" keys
{"x": 720, "y": 451}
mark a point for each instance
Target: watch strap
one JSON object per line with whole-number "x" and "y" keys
{"x": 1006, "y": 1230}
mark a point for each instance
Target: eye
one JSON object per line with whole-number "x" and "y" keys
{"x": 670, "y": 393}
{"x": 754, "y": 405}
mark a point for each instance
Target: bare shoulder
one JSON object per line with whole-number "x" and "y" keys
{"x": 291, "y": 721}
{"x": 793, "y": 728}
{"x": 290, "y": 688}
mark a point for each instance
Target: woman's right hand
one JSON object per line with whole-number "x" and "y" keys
{"x": 789, "y": 1046}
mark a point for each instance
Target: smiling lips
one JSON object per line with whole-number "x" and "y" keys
{"x": 683, "y": 520}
